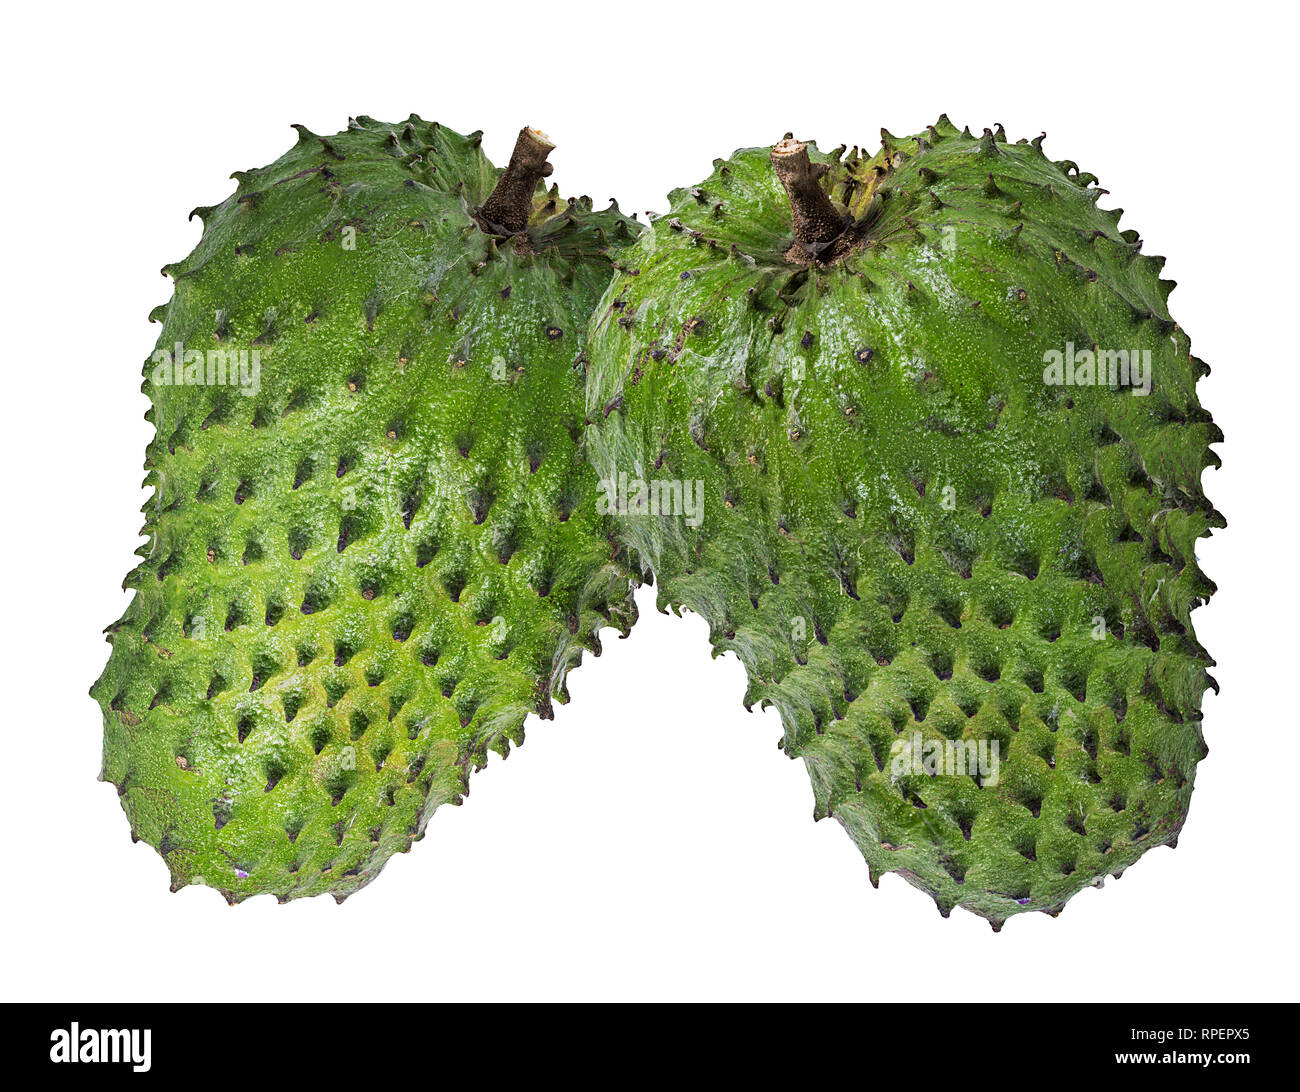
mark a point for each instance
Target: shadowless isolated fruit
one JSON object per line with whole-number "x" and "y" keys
{"x": 372, "y": 547}
{"x": 950, "y": 452}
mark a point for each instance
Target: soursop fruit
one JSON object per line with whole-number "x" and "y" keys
{"x": 948, "y": 445}
{"x": 373, "y": 547}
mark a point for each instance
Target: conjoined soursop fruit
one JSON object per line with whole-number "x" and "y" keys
{"x": 373, "y": 546}
{"x": 917, "y": 436}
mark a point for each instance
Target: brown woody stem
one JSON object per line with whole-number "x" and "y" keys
{"x": 507, "y": 211}
{"x": 816, "y": 221}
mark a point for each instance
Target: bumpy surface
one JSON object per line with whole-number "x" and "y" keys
{"x": 369, "y": 563}
{"x": 907, "y": 530}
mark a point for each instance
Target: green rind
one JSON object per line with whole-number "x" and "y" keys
{"x": 365, "y": 576}
{"x": 906, "y": 530}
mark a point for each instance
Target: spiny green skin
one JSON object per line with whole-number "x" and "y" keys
{"x": 868, "y": 602}
{"x": 364, "y": 577}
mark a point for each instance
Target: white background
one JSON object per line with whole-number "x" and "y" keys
{"x": 651, "y": 842}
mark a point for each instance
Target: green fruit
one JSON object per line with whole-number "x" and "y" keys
{"x": 967, "y": 589}
{"x": 374, "y": 553}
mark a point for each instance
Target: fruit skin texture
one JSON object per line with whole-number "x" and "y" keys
{"x": 906, "y": 529}
{"x": 366, "y": 574}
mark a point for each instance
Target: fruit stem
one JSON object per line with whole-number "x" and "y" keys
{"x": 816, "y": 222}
{"x": 507, "y": 211}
